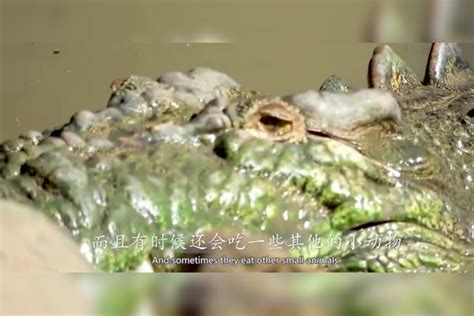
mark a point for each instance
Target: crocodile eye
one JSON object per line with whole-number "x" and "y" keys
{"x": 275, "y": 125}
{"x": 276, "y": 120}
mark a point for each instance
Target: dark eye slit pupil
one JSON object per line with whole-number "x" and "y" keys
{"x": 273, "y": 121}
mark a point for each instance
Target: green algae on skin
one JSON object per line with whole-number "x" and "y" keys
{"x": 319, "y": 179}
{"x": 342, "y": 185}
{"x": 149, "y": 165}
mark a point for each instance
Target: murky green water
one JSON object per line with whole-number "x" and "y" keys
{"x": 59, "y": 57}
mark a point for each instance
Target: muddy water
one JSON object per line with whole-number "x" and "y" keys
{"x": 59, "y": 57}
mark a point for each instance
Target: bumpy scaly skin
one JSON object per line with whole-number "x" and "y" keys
{"x": 194, "y": 153}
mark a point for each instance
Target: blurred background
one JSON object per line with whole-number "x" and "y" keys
{"x": 259, "y": 294}
{"x": 59, "y": 56}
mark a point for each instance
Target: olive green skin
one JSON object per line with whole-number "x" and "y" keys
{"x": 109, "y": 173}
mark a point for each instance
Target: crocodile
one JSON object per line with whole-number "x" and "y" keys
{"x": 193, "y": 168}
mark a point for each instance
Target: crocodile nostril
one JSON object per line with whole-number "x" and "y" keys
{"x": 221, "y": 151}
{"x": 470, "y": 113}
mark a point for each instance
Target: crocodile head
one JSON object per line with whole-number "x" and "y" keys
{"x": 294, "y": 118}
{"x": 191, "y": 163}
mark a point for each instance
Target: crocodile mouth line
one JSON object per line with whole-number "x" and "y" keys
{"x": 398, "y": 246}
{"x": 371, "y": 224}
{"x": 411, "y": 232}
